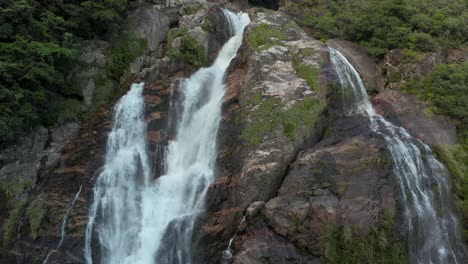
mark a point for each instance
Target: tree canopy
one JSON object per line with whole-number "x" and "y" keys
{"x": 39, "y": 41}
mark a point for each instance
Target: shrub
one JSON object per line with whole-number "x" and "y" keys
{"x": 190, "y": 50}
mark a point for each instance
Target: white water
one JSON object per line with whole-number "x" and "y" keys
{"x": 227, "y": 254}
{"x": 434, "y": 236}
{"x": 63, "y": 232}
{"x": 131, "y": 212}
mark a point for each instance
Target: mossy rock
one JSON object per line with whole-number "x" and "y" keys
{"x": 189, "y": 51}
{"x": 353, "y": 245}
{"x": 264, "y": 36}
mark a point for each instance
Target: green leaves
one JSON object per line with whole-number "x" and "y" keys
{"x": 38, "y": 45}
{"x": 383, "y": 25}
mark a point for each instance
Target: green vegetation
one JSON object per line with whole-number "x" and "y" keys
{"x": 207, "y": 25}
{"x": 14, "y": 188}
{"x": 35, "y": 212}
{"x": 264, "y": 36}
{"x": 190, "y": 50}
{"x": 190, "y": 10}
{"x": 382, "y": 25}
{"x": 39, "y": 41}
{"x": 446, "y": 91}
{"x": 267, "y": 114}
{"x": 10, "y": 224}
{"x": 456, "y": 159}
{"x": 306, "y": 72}
{"x": 122, "y": 52}
{"x": 351, "y": 245}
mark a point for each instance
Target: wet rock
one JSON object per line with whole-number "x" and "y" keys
{"x": 254, "y": 208}
{"x": 363, "y": 63}
{"x": 409, "y": 112}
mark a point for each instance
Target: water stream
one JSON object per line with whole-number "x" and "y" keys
{"x": 139, "y": 220}
{"x": 63, "y": 232}
{"x": 433, "y": 232}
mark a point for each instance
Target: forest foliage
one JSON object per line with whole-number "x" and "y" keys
{"x": 382, "y": 25}
{"x": 39, "y": 41}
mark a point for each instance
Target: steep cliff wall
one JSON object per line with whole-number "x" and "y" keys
{"x": 311, "y": 185}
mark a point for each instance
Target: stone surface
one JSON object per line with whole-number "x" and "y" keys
{"x": 397, "y": 68}
{"x": 254, "y": 172}
{"x": 149, "y": 24}
{"x": 21, "y": 161}
{"x": 407, "y": 111}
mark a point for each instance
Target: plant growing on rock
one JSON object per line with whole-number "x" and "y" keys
{"x": 189, "y": 50}
{"x": 35, "y": 212}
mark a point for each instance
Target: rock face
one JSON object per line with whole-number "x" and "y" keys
{"x": 289, "y": 165}
{"x": 399, "y": 67}
{"x": 264, "y": 92}
{"x": 344, "y": 180}
{"x": 151, "y": 25}
{"x": 407, "y": 111}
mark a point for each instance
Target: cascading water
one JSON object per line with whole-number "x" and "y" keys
{"x": 117, "y": 209}
{"x": 63, "y": 232}
{"x": 433, "y": 234}
{"x": 132, "y": 213}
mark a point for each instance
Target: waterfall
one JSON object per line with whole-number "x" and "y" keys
{"x": 63, "y": 232}
{"x": 227, "y": 254}
{"x": 140, "y": 220}
{"x": 118, "y": 192}
{"x": 433, "y": 232}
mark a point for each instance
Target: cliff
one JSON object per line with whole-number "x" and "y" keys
{"x": 297, "y": 182}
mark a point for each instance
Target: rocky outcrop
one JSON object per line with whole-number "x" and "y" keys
{"x": 271, "y": 111}
{"x": 149, "y": 24}
{"x": 400, "y": 66}
{"x": 344, "y": 180}
{"x": 409, "y": 112}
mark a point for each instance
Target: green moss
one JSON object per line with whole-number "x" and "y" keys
{"x": 11, "y": 223}
{"x": 351, "y": 245}
{"x": 267, "y": 114}
{"x": 207, "y": 25}
{"x": 264, "y": 34}
{"x": 307, "y": 52}
{"x": 456, "y": 159}
{"x": 190, "y": 50}
{"x": 14, "y": 188}
{"x": 190, "y": 10}
{"x": 35, "y": 212}
{"x": 394, "y": 77}
{"x": 306, "y": 72}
